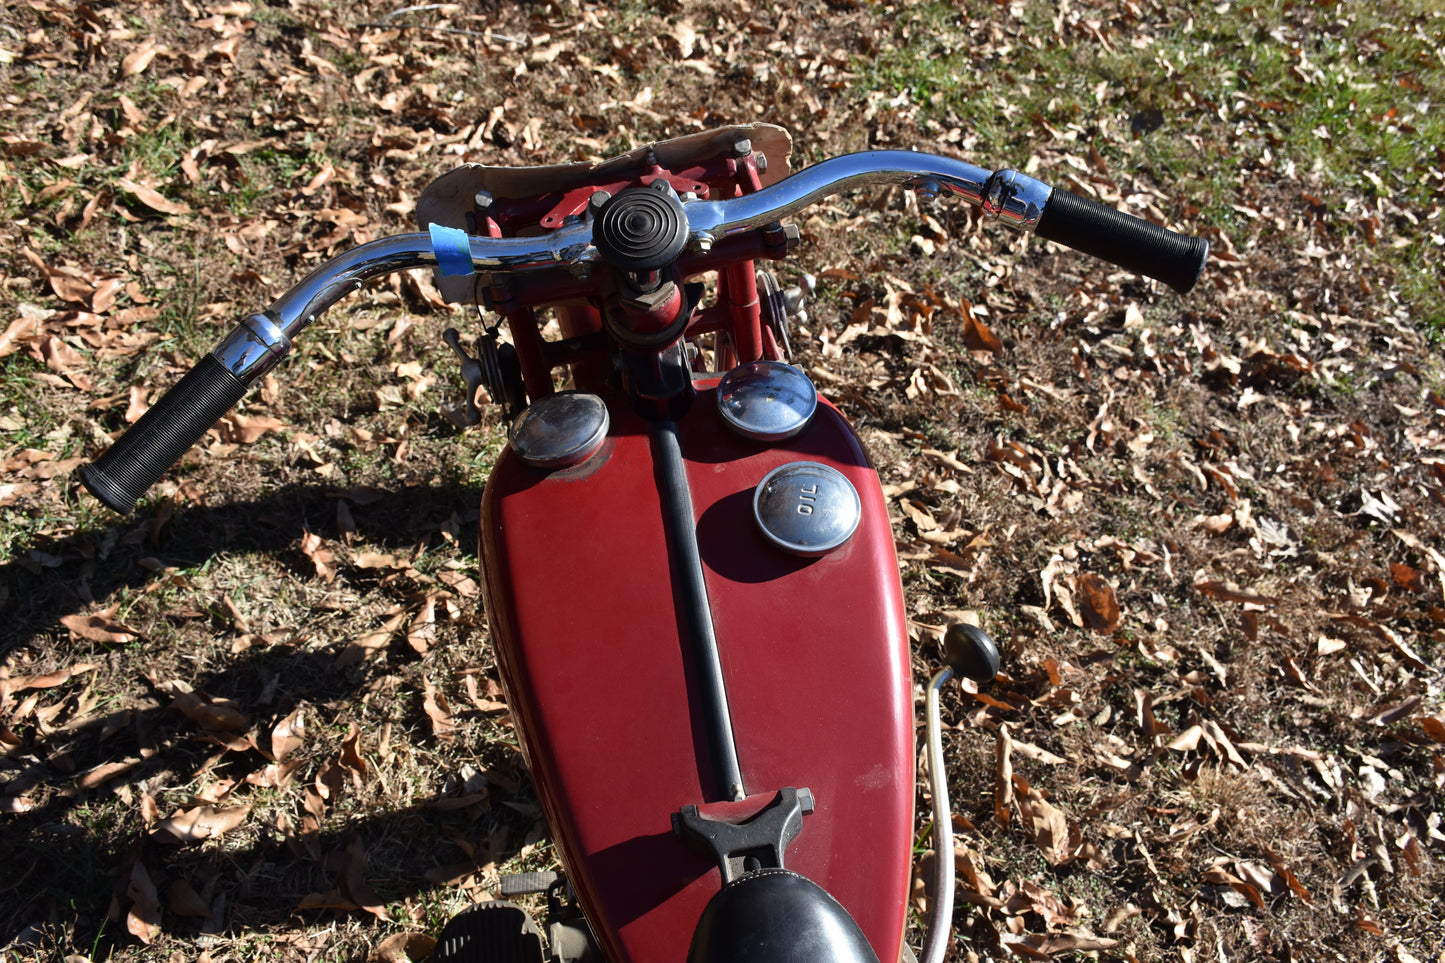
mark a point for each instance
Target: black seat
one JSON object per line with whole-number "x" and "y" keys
{"x": 777, "y": 916}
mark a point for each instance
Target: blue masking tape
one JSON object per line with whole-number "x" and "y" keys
{"x": 453, "y": 251}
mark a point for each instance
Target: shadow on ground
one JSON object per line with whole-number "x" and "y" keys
{"x": 74, "y": 852}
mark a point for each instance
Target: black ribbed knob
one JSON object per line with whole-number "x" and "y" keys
{"x": 642, "y": 229}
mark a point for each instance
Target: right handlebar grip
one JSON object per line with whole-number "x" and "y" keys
{"x": 1123, "y": 239}
{"x": 162, "y": 435}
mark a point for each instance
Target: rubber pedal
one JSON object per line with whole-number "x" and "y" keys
{"x": 494, "y": 932}
{"x": 525, "y": 884}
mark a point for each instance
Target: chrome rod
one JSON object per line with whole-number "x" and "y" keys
{"x": 940, "y": 922}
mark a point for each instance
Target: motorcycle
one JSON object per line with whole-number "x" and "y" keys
{"x": 716, "y": 707}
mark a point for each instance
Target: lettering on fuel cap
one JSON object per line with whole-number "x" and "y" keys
{"x": 807, "y": 509}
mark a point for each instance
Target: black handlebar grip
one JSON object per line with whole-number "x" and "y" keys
{"x": 162, "y": 435}
{"x": 1123, "y": 239}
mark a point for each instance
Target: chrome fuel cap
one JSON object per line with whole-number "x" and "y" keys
{"x": 806, "y": 508}
{"x": 561, "y": 430}
{"x": 766, "y": 400}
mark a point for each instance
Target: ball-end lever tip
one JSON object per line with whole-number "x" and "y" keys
{"x": 970, "y": 652}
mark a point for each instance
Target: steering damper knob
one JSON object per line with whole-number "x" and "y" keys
{"x": 970, "y": 652}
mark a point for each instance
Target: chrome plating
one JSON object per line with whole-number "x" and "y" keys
{"x": 956, "y": 178}
{"x": 1016, "y": 199}
{"x": 1013, "y": 198}
{"x": 342, "y": 275}
{"x": 766, "y": 400}
{"x": 940, "y": 920}
{"x": 253, "y": 347}
{"x": 807, "y": 509}
{"x": 560, "y": 430}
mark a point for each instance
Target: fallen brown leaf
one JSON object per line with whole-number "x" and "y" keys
{"x": 403, "y": 948}
{"x": 1047, "y": 823}
{"x": 353, "y": 879}
{"x": 1231, "y": 592}
{"x": 277, "y": 775}
{"x": 1097, "y": 603}
{"x": 102, "y": 774}
{"x": 435, "y": 704}
{"x": 351, "y": 757}
{"x": 212, "y": 716}
{"x": 331, "y": 900}
{"x": 153, "y": 198}
{"x": 370, "y": 644}
{"x": 140, "y": 58}
{"x": 492, "y": 702}
{"x": 288, "y": 735}
{"x": 314, "y": 548}
{"x": 143, "y": 920}
{"x": 239, "y": 429}
{"x": 201, "y": 823}
{"x": 100, "y": 627}
{"x": 1003, "y": 791}
{"x": 51, "y": 679}
{"x": 422, "y": 631}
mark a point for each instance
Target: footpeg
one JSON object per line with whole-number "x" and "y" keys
{"x": 527, "y": 884}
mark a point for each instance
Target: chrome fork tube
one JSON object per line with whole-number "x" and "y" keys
{"x": 940, "y": 922}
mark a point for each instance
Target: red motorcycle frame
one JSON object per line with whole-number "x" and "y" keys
{"x": 689, "y": 567}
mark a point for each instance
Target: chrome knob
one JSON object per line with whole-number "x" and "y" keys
{"x": 766, "y": 400}
{"x": 807, "y": 509}
{"x": 560, "y": 430}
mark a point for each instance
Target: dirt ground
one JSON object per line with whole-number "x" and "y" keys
{"x": 260, "y": 718}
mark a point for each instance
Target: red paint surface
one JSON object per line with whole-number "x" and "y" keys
{"x": 814, "y": 653}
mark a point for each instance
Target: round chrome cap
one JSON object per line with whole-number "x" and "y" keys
{"x": 806, "y": 508}
{"x": 766, "y": 400}
{"x": 561, "y": 430}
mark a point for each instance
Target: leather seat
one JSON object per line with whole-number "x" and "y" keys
{"x": 777, "y": 916}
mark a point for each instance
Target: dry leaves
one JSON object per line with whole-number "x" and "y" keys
{"x": 143, "y": 920}
{"x": 153, "y": 198}
{"x": 99, "y": 627}
{"x": 1097, "y": 603}
{"x": 439, "y": 712}
{"x": 140, "y": 58}
{"x": 199, "y": 824}
{"x": 288, "y": 735}
{"x": 239, "y": 429}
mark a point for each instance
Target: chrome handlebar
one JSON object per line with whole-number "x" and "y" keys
{"x": 260, "y": 341}
{"x": 220, "y": 379}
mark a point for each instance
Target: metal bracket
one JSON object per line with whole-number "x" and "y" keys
{"x": 757, "y": 843}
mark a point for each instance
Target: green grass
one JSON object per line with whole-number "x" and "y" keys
{"x": 1350, "y": 95}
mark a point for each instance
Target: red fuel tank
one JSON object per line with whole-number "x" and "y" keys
{"x": 604, "y": 685}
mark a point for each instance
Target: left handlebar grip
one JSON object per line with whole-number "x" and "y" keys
{"x": 162, "y": 435}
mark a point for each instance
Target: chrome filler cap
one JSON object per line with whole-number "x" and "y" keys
{"x": 806, "y": 508}
{"x": 766, "y": 400}
{"x": 560, "y": 430}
